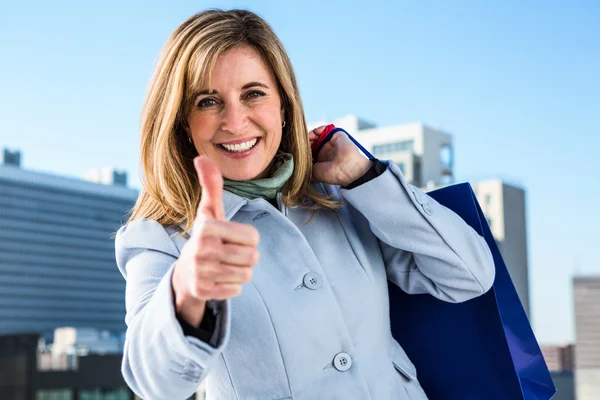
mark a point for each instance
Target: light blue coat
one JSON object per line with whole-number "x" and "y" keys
{"x": 314, "y": 321}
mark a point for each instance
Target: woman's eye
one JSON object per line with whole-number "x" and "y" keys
{"x": 254, "y": 94}
{"x": 208, "y": 102}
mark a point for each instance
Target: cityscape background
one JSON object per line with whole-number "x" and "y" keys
{"x": 515, "y": 87}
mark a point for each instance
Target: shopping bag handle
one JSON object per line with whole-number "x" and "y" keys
{"x": 326, "y": 136}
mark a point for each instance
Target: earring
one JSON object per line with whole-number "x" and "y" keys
{"x": 190, "y": 139}
{"x": 283, "y": 126}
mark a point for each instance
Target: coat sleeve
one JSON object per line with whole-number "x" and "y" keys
{"x": 426, "y": 247}
{"x": 159, "y": 361}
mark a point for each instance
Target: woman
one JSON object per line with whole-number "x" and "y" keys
{"x": 231, "y": 199}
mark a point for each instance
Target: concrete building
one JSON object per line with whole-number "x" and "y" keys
{"x": 106, "y": 176}
{"x": 586, "y": 290}
{"x": 559, "y": 357}
{"x": 564, "y": 382}
{"x": 560, "y": 360}
{"x": 69, "y": 340}
{"x": 29, "y": 371}
{"x": 57, "y": 262}
{"x": 426, "y": 157}
{"x": 504, "y": 207}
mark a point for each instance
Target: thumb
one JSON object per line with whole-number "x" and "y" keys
{"x": 211, "y": 182}
{"x": 315, "y": 133}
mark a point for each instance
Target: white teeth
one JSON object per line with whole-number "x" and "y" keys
{"x": 239, "y": 147}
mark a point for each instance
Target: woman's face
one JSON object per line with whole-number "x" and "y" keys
{"x": 238, "y": 124}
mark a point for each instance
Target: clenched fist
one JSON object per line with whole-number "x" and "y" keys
{"x": 339, "y": 162}
{"x": 219, "y": 255}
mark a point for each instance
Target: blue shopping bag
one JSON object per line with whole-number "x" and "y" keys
{"x": 482, "y": 349}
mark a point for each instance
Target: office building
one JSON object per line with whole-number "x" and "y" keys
{"x": 564, "y": 382}
{"x": 586, "y": 290}
{"x": 504, "y": 207}
{"x": 559, "y": 357}
{"x": 30, "y": 371}
{"x": 57, "y": 261}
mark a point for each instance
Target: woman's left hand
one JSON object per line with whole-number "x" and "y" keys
{"x": 339, "y": 162}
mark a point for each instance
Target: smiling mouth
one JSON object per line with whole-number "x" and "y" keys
{"x": 240, "y": 147}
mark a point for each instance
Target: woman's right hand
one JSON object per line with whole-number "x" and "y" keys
{"x": 219, "y": 255}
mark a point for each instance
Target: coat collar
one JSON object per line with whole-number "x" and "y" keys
{"x": 232, "y": 204}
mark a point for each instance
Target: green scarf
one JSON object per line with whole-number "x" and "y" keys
{"x": 266, "y": 188}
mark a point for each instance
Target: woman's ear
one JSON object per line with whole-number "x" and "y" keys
{"x": 186, "y": 128}
{"x": 186, "y": 131}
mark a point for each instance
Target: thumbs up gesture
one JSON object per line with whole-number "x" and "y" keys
{"x": 219, "y": 255}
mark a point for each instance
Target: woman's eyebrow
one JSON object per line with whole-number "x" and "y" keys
{"x": 206, "y": 91}
{"x": 253, "y": 84}
{"x": 246, "y": 86}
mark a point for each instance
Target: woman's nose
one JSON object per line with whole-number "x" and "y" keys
{"x": 235, "y": 119}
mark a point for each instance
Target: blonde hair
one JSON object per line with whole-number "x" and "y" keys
{"x": 170, "y": 189}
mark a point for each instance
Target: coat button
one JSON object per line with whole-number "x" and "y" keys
{"x": 312, "y": 280}
{"x": 342, "y": 362}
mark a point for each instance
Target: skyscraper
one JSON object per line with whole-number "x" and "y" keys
{"x": 504, "y": 207}
{"x": 586, "y": 290}
{"x": 57, "y": 263}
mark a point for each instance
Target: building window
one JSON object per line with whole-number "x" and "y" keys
{"x": 105, "y": 394}
{"x": 446, "y": 156}
{"x": 54, "y": 394}
{"x": 488, "y": 199}
{"x": 416, "y": 178}
{"x": 394, "y": 147}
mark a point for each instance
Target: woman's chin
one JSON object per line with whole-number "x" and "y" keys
{"x": 241, "y": 175}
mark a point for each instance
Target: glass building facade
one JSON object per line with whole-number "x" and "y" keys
{"x": 57, "y": 261}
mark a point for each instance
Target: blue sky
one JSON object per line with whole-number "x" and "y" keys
{"x": 516, "y": 84}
